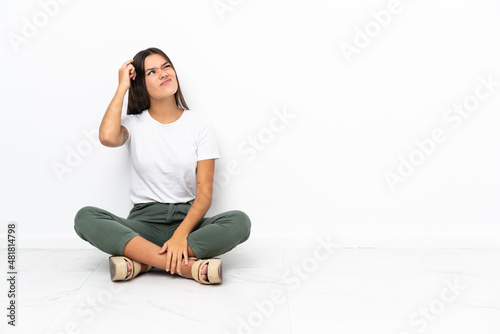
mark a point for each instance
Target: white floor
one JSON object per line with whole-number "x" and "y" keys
{"x": 316, "y": 290}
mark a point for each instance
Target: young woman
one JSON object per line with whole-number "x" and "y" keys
{"x": 172, "y": 159}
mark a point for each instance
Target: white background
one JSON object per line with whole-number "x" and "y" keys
{"x": 323, "y": 172}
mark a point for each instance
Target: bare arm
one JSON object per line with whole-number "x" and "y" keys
{"x": 111, "y": 132}
{"x": 176, "y": 247}
{"x": 203, "y": 200}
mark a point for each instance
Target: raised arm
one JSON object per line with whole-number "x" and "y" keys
{"x": 111, "y": 132}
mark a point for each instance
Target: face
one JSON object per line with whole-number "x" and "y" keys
{"x": 161, "y": 81}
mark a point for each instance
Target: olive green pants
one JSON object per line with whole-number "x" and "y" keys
{"x": 157, "y": 223}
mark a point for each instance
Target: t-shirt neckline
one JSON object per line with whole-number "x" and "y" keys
{"x": 161, "y": 124}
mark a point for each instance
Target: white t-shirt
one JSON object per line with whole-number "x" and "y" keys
{"x": 163, "y": 157}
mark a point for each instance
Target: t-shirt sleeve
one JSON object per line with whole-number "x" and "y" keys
{"x": 126, "y": 121}
{"x": 207, "y": 143}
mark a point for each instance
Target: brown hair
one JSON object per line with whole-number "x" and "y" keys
{"x": 138, "y": 99}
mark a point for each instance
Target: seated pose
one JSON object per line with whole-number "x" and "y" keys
{"x": 172, "y": 160}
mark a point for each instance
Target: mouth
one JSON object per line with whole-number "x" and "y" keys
{"x": 166, "y": 82}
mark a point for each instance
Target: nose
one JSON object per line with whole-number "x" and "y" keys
{"x": 163, "y": 74}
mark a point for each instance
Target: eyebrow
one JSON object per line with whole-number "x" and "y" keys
{"x": 155, "y": 67}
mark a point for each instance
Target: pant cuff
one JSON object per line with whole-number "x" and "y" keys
{"x": 196, "y": 250}
{"x": 123, "y": 242}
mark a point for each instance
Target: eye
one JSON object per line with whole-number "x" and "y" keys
{"x": 150, "y": 72}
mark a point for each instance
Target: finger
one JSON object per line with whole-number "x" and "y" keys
{"x": 169, "y": 255}
{"x": 173, "y": 264}
{"x": 179, "y": 262}
{"x": 128, "y": 62}
{"x": 162, "y": 249}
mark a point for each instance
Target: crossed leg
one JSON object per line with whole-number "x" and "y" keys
{"x": 146, "y": 252}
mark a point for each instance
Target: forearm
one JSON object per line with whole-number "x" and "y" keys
{"x": 111, "y": 122}
{"x": 198, "y": 210}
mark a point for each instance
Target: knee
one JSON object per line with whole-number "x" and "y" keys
{"x": 244, "y": 223}
{"x": 83, "y": 218}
